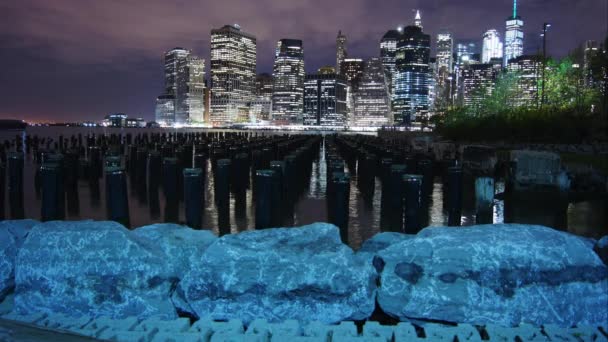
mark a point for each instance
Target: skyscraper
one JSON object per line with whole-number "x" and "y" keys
{"x": 341, "y": 53}
{"x": 261, "y": 106}
{"x": 492, "y": 46}
{"x": 184, "y": 89}
{"x": 527, "y": 70}
{"x": 445, "y": 51}
{"x": 165, "y": 109}
{"x": 233, "y": 71}
{"x": 372, "y": 101}
{"x": 418, "y": 20}
{"x": 325, "y": 99}
{"x": 477, "y": 83}
{"x": 466, "y": 52}
{"x": 590, "y": 51}
{"x": 352, "y": 70}
{"x": 288, "y": 85}
{"x": 388, "y": 51}
{"x": 411, "y": 96}
{"x": 514, "y": 36}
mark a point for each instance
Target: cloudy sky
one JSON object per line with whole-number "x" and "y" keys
{"x": 76, "y": 60}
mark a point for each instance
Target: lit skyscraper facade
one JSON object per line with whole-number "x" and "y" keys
{"x": 165, "y": 109}
{"x": 527, "y": 69}
{"x": 325, "y": 99}
{"x": 341, "y": 53}
{"x": 411, "y": 95}
{"x": 590, "y": 50}
{"x": 477, "y": 83}
{"x": 492, "y": 46}
{"x": 514, "y": 36}
{"x": 445, "y": 51}
{"x": 184, "y": 89}
{"x": 288, "y": 85}
{"x": 466, "y": 52}
{"x": 233, "y": 72}
{"x": 388, "y": 53}
{"x": 352, "y": 70}
{"x": 261, "y": 106}
{"x": 372, "y": 101}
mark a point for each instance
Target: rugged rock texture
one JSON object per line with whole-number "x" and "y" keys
{"x": 303, "y": 273}
{"x": 12, "y": 235}
{"x": 382, "y": 241}
{"x": 182, "y": 246}
{"x": 500, "y": 274}
{"x": 601, "y": 248}
{"x": 92, "y": 269}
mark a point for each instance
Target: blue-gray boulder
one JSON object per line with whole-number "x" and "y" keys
{"x": 305, "y": 274}
{"x": 500, "y": 274}
{"x": 92, "y": 269}
{"x": 12, "y": 235}
{"x": 382, "y": 241}
{"x": 182, "y": 246}
{"x": 601, "y": 248}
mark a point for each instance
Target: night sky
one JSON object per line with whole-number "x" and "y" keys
{"x": 77, "y": 60}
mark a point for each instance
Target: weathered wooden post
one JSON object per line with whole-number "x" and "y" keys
{"x": 413, "y": 203}
{"x": 170, "y": 190}
{"x": 263, "y": 198}
{"x": 15, "y": 185}
{"x": 222, "y": 194}
{"x": 53, "y": 200}
{"x": 339, "y": 216}
{"x": 454, "y": 195}
{"x": 117, "y": 200}
{"x": 193, "y": 197}
{"x": 484, "y": 198}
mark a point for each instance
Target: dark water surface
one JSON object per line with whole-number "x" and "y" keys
{"x": 587, "y": 218}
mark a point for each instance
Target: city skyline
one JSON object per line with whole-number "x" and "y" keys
{"x": 60, "y": 75}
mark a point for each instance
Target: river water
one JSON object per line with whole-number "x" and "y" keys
{"x": 587, "y": 218}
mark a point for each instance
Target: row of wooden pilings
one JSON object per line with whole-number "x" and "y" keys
{"x": 406, "y": 181}
{"x": 276, "y": 166}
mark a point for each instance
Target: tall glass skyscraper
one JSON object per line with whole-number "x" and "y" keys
{"x": 466, "y": 52}
{"x": 288, "y": 85}
{"x": 325, "y": 99}
{"x": 261, "y": 106}
{"x": 233, "y": 72}
{"x": 476, "y": 83}
{"x": 492, "y": 46}
{"x": 372, "y": 102}
{"x": 341, "y": 53}
{"x": 411, "y": 96}
{"x": 445, "y": 51}
{"x": 528, "y": 70}
{"x": 514, "y": 36}
{"x": 388, "y": 51}
{"x": 183, "y": 101}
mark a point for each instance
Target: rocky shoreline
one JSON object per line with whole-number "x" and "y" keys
{"x": 503, "y": 275}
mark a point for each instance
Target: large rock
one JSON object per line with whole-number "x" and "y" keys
{"x": 182, "y": 246}
{"x": 12, "y": 235}
{"x": 601, "y": 248}
{"x": 92, "y": 269}
{"x": 500, "y": 274}
{"x": 382, "y": 241}
{"x": 304, "y": 273}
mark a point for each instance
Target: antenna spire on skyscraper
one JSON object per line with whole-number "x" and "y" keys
{"x": 418, "y": 19}
{"x": 514, "y": 8}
